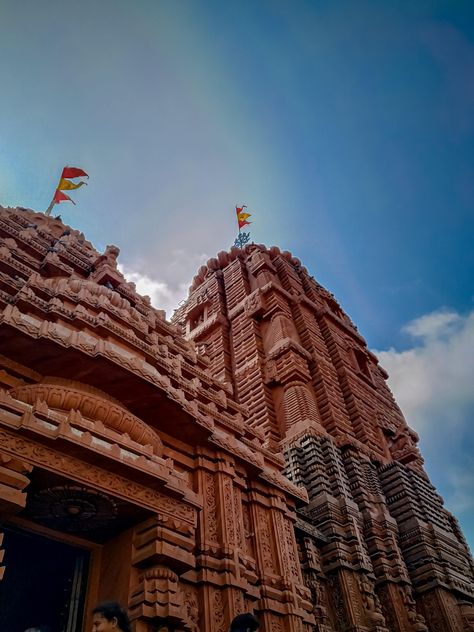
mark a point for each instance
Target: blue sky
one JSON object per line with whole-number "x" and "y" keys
{"x": 346, "y": 127}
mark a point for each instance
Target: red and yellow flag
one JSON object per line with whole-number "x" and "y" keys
{"x": 66, "y": 185}
{"x": 242, "y": 216}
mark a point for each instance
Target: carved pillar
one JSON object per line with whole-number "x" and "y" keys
{"x": 467, "y": 614}
{"x": 160, "y": 598}
{"x": 156, "y": 592}
{"x": 224, "y": 487}
{"x": 442, "y": 611}
{"x": 284, "y": 601}
{"x": 399, "y": 608}
{"x": 374, "y": 619}
{"x": 225, "y": 563}
{"x": 163, "y": 547}
{"x": 354, "y": 604}
{"x": 246, "y": 549}
{"x": 229, "y": 514}
{"x": 314, "y": 579}
{"x": 342, "y": 615}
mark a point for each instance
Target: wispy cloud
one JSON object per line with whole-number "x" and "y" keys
{"x": 435, "y": 325}
{"x": 162, "y": 295}
{"x": 433, "y": 384}
{"x": 433, "y": 381}
{"x": 168, "y": 288}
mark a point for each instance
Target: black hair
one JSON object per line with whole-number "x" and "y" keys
{"x": 244, "y": 622}
{"x": 112, "y": 609}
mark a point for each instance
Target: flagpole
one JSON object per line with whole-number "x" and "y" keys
{"x": 50, "y": 207}
{"x": 238, "y": 223}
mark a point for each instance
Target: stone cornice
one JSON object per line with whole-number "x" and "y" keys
{"x": 94, "y": 441}
{"x": 101, "y": 479}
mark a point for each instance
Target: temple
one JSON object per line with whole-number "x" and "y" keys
{"x": 246, "y": 456}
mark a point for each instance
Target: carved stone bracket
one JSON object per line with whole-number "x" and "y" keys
{"x": 158, "y": 598}
{"x": 13, "y": 480}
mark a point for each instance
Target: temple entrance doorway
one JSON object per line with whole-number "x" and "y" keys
{"x": 44, "y": 583}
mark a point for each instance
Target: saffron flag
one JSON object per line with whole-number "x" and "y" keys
{"x": 242, "y": 216}
{"x": 73, "y": 172}
{"x": 67, "y": 185}
{"x": 59, "y": 196}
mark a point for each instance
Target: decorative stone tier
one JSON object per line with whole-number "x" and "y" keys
{"x": 384, "y": 553}
{"x": 161, "y": 444}
{"x": 113, "y": 431}
{"x": 92, "y": 404}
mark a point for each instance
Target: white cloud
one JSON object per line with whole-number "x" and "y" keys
{"x": 435, "y": 377}
{"x": 161, "y": 294}
{"x": 435, "y": 325}
{"x": 433, "y": 383}
{"x": 167, "y": 291}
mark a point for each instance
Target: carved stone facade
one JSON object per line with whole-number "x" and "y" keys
{"x": 377, "y": 548}
{"x": 116, "y": 438}
{"x": 247, "y": 456}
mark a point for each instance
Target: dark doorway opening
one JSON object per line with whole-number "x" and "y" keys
{"x": 44, "y": 583}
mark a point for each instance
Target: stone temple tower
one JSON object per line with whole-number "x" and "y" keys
{"x": 377, "y": 548}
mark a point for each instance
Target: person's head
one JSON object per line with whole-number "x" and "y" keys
{"x": 244, "y": 623}
{"x": 110, "y": 617}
